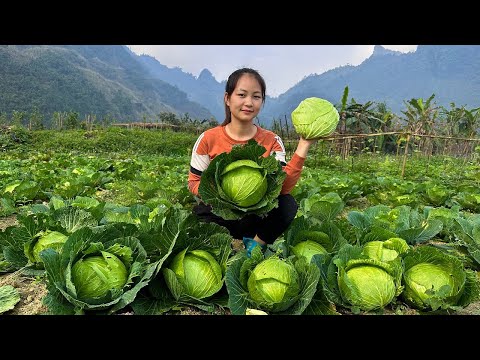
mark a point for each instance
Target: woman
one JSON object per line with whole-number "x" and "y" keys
{"x": 244, "y": 96}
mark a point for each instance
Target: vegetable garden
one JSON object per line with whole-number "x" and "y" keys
{"x": 377, "y": 232}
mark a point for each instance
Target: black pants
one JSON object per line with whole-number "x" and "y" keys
{"x": 268, "y": 228}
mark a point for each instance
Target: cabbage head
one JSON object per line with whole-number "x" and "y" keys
{"x": 315, "y": 117}
{"x": 367, "y": 284}
{"x": 435, "y": 279}
{"x": 274, "y": 284}
{"x": 308, "y": 248}
{"x": 424, "y": 279}
{"x": 48, "y": 240}
{"x": 244, "y": 182}
{"x": 247, "y": 180}
{"x": 387, "y": 250}
{"x": 94, "y": 276}
{"x": 198, "y": 272}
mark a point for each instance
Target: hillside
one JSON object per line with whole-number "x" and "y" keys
{"x": 451, "y": 72}
{"x": 87, "y": 79}
{"x": 112, "y": 80}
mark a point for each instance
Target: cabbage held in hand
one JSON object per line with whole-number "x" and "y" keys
{"x": 244, "y": 182}
{"x": 315, "y": 117}
{"x": 241, "y": 182}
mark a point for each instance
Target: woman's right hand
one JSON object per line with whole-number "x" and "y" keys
{"x": 304, "y": 145}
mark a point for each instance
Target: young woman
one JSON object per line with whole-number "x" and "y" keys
{"x": 244, "y": 96}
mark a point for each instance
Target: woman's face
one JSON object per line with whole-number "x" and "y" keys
{"x": 246, "y": 100}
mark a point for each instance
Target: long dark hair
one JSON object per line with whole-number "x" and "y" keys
{"x": 232, "y": 83}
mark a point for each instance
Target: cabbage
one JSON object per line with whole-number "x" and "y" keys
{"x": 387, "y": 250}
{"x": 274, "y": 284}
{"x": 198, "y": 272}
{"x": 97, "y": 271}
{"x": 94, "y": 276}
{"x": 48, "y": 240}
{"x": 424, "y": 279}
{"x": 435, "y": 279}
{"x": 364, "y": 283}
{"x": 244, "y": 182}
{"x": 308, "y": 248}
{"x": 367, "y": 286}
{"x": 315, "y": 117}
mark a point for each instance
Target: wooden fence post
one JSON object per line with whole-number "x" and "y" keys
{"x": 405, "y": 155}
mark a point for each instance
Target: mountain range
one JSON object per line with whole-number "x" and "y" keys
{"x": 112, "y": 80}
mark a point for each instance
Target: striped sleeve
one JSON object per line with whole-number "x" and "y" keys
{"x": 279, "y": 149}
{"x": 198, "y": 163}
{"x": 293, "y": 168}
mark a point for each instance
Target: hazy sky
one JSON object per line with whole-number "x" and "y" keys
{"x": 282, "y": 66}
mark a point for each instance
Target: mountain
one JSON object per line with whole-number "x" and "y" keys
{"x": 451, "y": 72}
{"x": 87, "y": 79}
{"x": 204, "y": 90}
{"x": 111, "y": 79}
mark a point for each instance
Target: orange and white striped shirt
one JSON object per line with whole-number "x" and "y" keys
{"x": 215, "y": 141}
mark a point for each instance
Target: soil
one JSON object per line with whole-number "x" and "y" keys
{"x": 31, "y": 292}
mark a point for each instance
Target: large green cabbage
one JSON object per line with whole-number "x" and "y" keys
{"x": 308, "y": 248}
{"x": 94, "y": 276}
{"x": 424, "y": 278}
{"x": 244, "y": 182}
{"x": 76, "y": 284}
{"x": 198, "y": 272}
{"x": 273, "y": 284}
{"x": 434, "y": 279}
{"x": 361, "y": 283}
{"x": 315, "y": 117}
{"x": 367, "y": 285}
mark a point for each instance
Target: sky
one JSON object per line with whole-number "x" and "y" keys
{"x": 282, "y": 66}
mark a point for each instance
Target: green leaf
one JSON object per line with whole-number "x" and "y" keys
{"x": 421, "y": 234}
{"x": 238, "y": 295}
{"x": 9, "y": 297}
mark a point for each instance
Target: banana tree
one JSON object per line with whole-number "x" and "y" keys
{"x": 357, "y": 118}
{"x": 420, "y": 118}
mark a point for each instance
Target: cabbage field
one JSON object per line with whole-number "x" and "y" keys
{"x": 100, "y": 222}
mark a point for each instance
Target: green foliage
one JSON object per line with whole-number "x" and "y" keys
{"x": 12, "y": 137}
{"x": 113, "y": 140}
{"x": 73, "y": 78}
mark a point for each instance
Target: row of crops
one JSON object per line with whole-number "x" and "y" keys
{"x": 111, "y": 233}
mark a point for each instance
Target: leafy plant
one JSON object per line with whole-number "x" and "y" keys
{"x": 226, "y": 184}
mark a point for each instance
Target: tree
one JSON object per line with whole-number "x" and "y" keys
{"x": 420, "y": 118}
